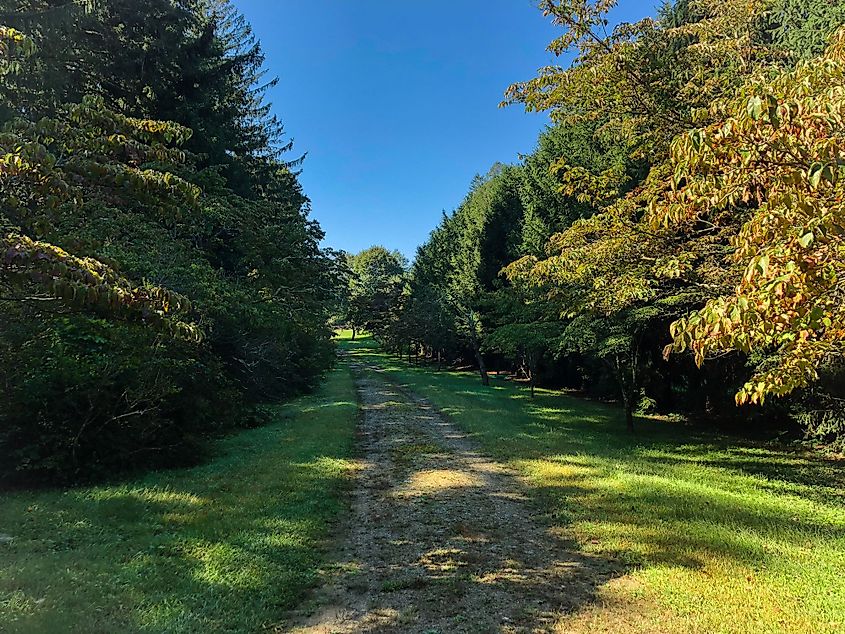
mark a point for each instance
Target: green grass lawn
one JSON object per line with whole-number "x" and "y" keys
{"x": 712, "y": 534}
{"x": 225, "y": 547}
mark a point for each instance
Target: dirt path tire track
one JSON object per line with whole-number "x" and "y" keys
{"x": 441, "y": 539}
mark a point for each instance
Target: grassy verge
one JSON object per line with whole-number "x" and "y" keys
{"x": 225, "y": 547}
{"x": 712, "y": 534}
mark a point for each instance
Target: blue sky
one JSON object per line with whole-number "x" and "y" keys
{"x": 396, "y": 103}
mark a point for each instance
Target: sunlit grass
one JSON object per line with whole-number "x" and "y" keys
{"x": 225, "y": 547}
{"x": 713, "y": 534}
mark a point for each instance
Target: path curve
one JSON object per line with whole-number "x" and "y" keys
{"x": 441, "y": 539}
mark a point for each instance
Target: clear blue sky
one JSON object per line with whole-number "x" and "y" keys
{"x": 396, "y": 103}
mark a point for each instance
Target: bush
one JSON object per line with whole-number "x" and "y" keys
{"x": 820, "y": 409}
{"x": 84, "y": 397}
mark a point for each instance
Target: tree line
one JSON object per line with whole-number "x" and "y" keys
{"x": 160, "y": 277}
{"x": 675, "y": 240}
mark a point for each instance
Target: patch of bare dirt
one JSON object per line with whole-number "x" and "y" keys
{"x": 442, "y": 539}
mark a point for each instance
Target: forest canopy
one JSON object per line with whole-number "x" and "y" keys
{"x": 675, "y": 240}
{"x": 160, "y": 277}
{"x": 673, "y": 243}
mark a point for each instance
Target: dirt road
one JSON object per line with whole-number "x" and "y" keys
{"x": 441, "y": 538}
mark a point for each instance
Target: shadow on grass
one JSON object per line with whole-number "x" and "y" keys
{"x": 743, "y": 522}
{"x": 444, "y": 529}
{"x": 227, "y": 546}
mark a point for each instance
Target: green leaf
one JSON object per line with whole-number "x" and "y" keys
{"x": 829, "y": 174}
{"x": 755, "y": 108}
{"x": 763, "y": 264}
{"x": 815, "y": 174}
{"x": 772, "y": 105}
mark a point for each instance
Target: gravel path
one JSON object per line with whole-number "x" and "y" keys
{"x": 441, "y": 538}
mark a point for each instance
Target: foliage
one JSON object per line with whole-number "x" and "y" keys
{"x": 486, "y": 226}
{"x": 128, "y": 399}
{"x": 642, "y": 81}
{"x": 820, "y": 409}
{"x": 803, "y": 27}
{"x": 615, "y": 267}
{"x": 52, "y": 168}
{"x": 376, "y": 282}
{"x": 159, "y": 274}
{"x": 456, "y": 271}
{"x": 775, "y": 151}
{"x": 189, "y": 61}
{"x": 549, "y": 206}
{"x": 528, "y": 341}
{"x": 693, "y": 161}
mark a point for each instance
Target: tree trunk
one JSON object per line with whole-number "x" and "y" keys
{"x": 353, "y": 333}
{"x": 629, "y": 415}
{"x": 482, "y": 369}
{"x": 628, "y": 389}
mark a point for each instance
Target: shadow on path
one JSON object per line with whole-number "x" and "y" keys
{"x": 443, "y": 539}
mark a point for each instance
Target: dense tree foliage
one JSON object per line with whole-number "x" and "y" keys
{"x": 674, "y": 240}
{"x": 159, "y": 275}
{"x": 375, "y": 285}
{"x": 686, "y": 197}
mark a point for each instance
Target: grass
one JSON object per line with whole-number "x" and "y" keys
{"x": 711, "y": 533}
{"x": 225, "y": 547}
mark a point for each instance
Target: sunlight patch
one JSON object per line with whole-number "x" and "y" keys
{"x": 156, "y": 496}
{"x": 228, "y": 565}
{"x": 551, "y": 472}
{"x": 443, "y": 559}
{"x": 18, "y": 603}
{"x": 166, "y": 616}
{"x": 434, "y": 480}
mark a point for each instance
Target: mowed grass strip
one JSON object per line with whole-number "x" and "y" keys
{"x": 712, "y": 534}
{"x": 225, "y": 547}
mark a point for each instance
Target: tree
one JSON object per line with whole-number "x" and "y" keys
{"x": 375, "y": 286}
{"x": 528, "y": 341}
{"x": 774, "y": 152}
{"x": 640, "y": 84}
{"x": 614, "y": 280}
{"x": 804, "y": 27}
{"x": 548, "y": 208}
{"x": 611, "y": 285}
{"x": 56, "y": 166}
{"x": 471, "y": 331}
{"x": 125, "y": 237}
